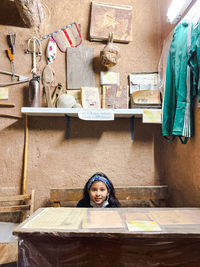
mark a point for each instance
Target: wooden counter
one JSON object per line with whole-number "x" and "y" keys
{"x": 110, "y": 237}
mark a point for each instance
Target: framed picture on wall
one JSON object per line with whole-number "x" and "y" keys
{"x": 106, "y": 18}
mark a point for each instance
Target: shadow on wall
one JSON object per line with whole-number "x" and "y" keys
{"x": 9, "y": 14}
{"x": 92, "y": 129}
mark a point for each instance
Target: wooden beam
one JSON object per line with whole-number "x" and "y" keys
{"x": 17, "y": 208}
{"x": 15, "y": 198}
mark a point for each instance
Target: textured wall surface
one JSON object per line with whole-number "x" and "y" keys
{"x": 54, "y": 161}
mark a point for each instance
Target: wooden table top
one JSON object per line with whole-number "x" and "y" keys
{"x": 113, "y": 222}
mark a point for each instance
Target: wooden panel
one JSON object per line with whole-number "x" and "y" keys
{"x": 106, "y": 18}
{"x": 80, "y": 67}
{"x": 74, "y": 194}
{"x": 17, "y": 208}
{"x": 127, "y": 193}
{"x": 24, "y": 203}
{"x": 14, "y": 198}
{"x": 142, "y": 192}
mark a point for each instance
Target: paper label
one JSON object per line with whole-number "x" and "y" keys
{"x": 109, "y": 78}
{"x": 151, "y": 116}
{"x": 137, "y": 226}
{"x": 96, "y": 115}
{"x": 3, "y": 93}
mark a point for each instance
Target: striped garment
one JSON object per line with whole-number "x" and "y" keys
{"x": 180, "y": 86}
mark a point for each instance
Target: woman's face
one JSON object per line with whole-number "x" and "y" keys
{"x": 98, "y": 192}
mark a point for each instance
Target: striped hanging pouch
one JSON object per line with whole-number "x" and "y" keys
{"x": 69, "y": 36}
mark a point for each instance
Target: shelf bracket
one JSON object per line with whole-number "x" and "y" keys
{"x": 67, "y": 118}
{"x": 132, "y": 127}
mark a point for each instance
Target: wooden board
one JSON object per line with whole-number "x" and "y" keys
{"x": 126, "y": 195}
{"x": 27, "y": 203}
{"x": 115, "y": 96}
{"x": 17, "y": 208}
{"x": 106, "y": 18}
{"x": 14, "y": 198}
{"x": 80, "y": 67}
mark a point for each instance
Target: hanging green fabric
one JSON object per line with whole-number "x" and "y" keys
{"x": 194, "y": 59}
{"x": 178, "y": 97}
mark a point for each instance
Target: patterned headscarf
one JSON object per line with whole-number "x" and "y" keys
{"x": 100, "y": 179}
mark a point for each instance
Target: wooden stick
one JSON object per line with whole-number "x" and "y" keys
{"x": 48, "y": 95}
{"x": 7, "y": 105}
{"x": 25, "y": 156}
{"x": 25, "y": 161}
{"x": 32, "y": 201}
{"x": 9, "y": 116}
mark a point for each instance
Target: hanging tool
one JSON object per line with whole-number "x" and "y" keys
{"x": 47, "y": 80}
{"x": 57, "y": 92}
{"x": 11, "y": 38}
{"x": 34, "y": 47}
{"x": 21, "y": 78}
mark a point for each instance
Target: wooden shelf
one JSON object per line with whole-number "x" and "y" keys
{"x": 73, "y": 112}
{"x": 87, "y": 114}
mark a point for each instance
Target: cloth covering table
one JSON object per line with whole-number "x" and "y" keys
{"x": 110, "y": 237}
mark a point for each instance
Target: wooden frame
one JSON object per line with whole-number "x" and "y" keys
{"x": 26, "y": 203}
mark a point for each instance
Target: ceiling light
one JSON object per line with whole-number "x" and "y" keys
{"x": 177, "y": 9}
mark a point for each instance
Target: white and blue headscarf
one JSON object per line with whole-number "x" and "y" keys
{"x": 100, "y": 179}
{"x": 104, "y": 180}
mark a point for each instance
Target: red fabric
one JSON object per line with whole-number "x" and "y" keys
{"x": 68, "y": 38}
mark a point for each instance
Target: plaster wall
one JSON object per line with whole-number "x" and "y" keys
{"x": 54, "y": 161}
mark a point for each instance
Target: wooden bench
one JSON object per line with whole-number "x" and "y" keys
{"x": 22, "y": 204}
{"x": 129, "y": 196}
{"x": 17, "y": 203}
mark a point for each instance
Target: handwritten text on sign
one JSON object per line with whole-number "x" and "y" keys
{"x": 96, "y": 115}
